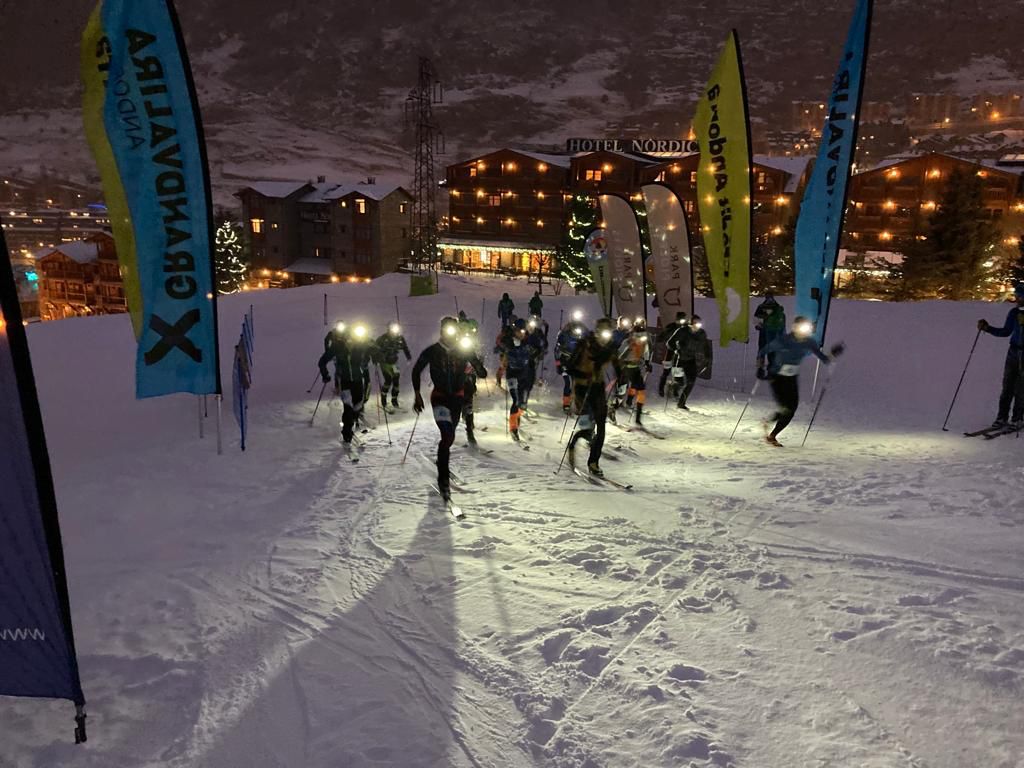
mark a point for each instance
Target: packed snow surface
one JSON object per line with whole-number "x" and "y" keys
{"x": 852, "y": 602}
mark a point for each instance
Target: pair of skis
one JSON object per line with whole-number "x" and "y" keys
{"x": 991, "y": 433}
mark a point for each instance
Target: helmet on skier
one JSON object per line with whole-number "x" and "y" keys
{"x": 802, "y": 327}
{"x": 680, "y": 316}
{"x": 696, "y": 323}
{"x": 603, "y": 330}
{"x": 1018, "y": 291}
{"x": 639, "y": 324}
{"x": 519, "y": 324}
{"x": 449, "y": 331}
{"x": 624, "y": 323}
{"x": 462, "y": 314}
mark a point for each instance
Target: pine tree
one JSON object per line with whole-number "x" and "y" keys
{"x": 231, "y": 264}
{"x": 771, "y": 262}
{"x": 572, "y": 262}
{"x": 954, "y": 259}
{"x": 1016, "y": 271}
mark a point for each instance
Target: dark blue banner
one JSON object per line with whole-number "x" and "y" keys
{"x": 820, "y": 224}
{"x": 37, "y": 648}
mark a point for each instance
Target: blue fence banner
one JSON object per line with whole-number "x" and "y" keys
{"x": 820, "y": 223}
{"x": 143, "y": 124}
{"x": 37, "y": 645}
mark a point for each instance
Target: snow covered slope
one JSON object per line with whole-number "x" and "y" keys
{"x": 856, "y": 602}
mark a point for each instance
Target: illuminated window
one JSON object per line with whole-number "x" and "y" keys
{"x": 494, "y": 200}
{"x": 472, "y": 172}
{"x": 593, "y": 176}
{"x": 360, "y": 205}
{"x": 403, "y": 206}
{"x": 257, "y": 226}
{"x": 273, "y": 225}
{"x": 693, "y": 177}
{"x": 542, "y": 167}
{"x": 660, "y": 176}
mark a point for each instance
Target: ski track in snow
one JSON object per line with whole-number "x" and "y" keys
{"x": 853, "y": 603}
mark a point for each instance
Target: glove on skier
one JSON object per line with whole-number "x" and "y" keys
{"x": 982, "y": 325}
{"x": 326, "y": 377}
{"x": 837, "y": 349}
{"x": 418, "y": 403}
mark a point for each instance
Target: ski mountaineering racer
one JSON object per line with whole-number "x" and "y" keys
{"x": 447, "y": 361}
{"x": 691, "y": 354}
{"x": 565, "y": 344}
{"x": 388, "y": 346}
{"x": 352, "y": 350}
{"x": 1012, "y": 392}
{"x": 786, "y": 353}
{"x": 595, "y": 353}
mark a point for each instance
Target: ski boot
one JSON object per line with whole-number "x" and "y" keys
{"x": 515, "y": 434}
{"x": 594, "y": 469}
{"x": 772, "y": 440}
{"x": 570, "y": 456}
{"x": 470, "y": 437}
{"x": 394, "y": 403}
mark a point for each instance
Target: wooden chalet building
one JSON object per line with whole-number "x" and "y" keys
{"x": 80, "y": 278}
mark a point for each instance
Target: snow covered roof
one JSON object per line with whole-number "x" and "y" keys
{"x": 329, "y": 191}
{"x": 1016, "y": 170}
{"x": 276, "y": 188}
{"x": 81, "y": 251}
{"x": 310, "y": 267}
{"x": 793, "y": 166}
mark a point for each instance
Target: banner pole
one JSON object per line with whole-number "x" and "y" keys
{"x": 325, "y": 309}
{"x": 220, "y": 445}
{"x": 398, "y": 317}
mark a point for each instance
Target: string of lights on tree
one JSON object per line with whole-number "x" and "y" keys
{"x": 231, "y": 266}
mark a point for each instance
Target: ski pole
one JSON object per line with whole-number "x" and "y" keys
{"x": 310, "y": 390}
{"x": 506, "y": 406}
{"x": 387, "y": 426}
{"x": 324, "y": 387}
{"x": 564, "y": 425}
{"x": 824, "y": 388}
{"x": 566, "y": 451}
{"x": 750, "y": 397}
{"x": 945, "y": 427}
{"x": 409, "y": 444}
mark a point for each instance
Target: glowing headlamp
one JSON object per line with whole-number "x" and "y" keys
{"x": 340, "y": 327}
{"x": 360, "y": 331}
{"x": 804, "y": 328}
{"x": 698, "y": 325}
{"x": 605, "y": 335}
{"x": 577, "y": 331}
{"x": 395, "y": 329}
{"x": 639, "y": 320}
{"x": 465, "y": 343}
{"x": 532, "y": 324}
{"x": 577, "y": 315}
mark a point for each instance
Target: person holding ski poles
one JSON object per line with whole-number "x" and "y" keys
{"x": 595, "y": 353}
{"x": 565, "y": 344}
{"x": 635, "y": 357}
{"x": 468, "y": 330}
{"x": 351, "y": 350}
{"x": 388, "y": 346}
{"x": 771, "y": 324}
{"x": 786, "y": 353}
{"x": 663, "y": 336}
{"x": 518, "y": 354}
{"x": 691, "y": 353}
{"x": 1013, "y": 376}
{"x": 505, "y": 308}
{"x": 447, "y": 361}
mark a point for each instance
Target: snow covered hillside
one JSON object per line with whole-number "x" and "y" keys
{"x": 855, "y": 602}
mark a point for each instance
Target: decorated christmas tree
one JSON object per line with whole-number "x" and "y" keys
{"x": 231, "y": 264}
{"x": 572, "y": 262}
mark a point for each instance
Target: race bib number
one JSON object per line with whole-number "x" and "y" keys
{"x": 442, "y": 414}
{"x": 677, "y": 372}
{"x": 789, "y": 370}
